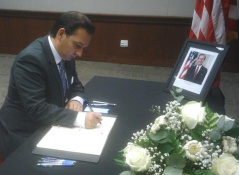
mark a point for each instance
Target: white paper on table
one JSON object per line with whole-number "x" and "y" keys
{"x": 101, "y": 110}
{"x": 80, "y": 140}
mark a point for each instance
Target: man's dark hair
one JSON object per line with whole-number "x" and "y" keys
{"x": 72, "y": 21}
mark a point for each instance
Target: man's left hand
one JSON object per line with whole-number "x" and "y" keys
{"x": 75, "y": 106}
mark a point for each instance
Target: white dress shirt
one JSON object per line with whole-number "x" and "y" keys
{"x": 80, "y": 119}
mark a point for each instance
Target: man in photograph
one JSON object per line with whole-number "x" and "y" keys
{"x": 197, "y": 73}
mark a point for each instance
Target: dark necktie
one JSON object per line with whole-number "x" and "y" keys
{"x": 63, "y": 75}
{"x": 196, "y": 71}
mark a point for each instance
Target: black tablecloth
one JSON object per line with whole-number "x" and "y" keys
{"x": 134, "y": 98}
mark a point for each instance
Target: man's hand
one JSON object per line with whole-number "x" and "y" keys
{"x": 75, "y": 106}
{"x": 92, "y": 119}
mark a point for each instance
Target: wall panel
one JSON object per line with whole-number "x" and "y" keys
{"x": 154, "y": 41}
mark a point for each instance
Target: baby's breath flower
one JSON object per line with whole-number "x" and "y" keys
{"x": 229, "y": 144}
{"x": 200, "y": 153}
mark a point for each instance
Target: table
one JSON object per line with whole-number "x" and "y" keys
{"x": 134, "y": 98}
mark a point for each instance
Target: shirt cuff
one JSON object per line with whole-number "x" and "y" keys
{"x": 79, "y": 99}
{"x": 80, "y": 119}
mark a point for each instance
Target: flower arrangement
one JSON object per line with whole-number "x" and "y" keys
{"x": 185, "y": 140}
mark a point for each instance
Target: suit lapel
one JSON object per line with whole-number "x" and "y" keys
{"x": 52, "y": 65}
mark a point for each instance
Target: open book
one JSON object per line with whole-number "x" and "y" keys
{"x": 76, "y": 143}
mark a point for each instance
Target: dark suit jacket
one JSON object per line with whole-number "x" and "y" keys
{"x": 35, "y": 95}
{"x": 199, "y": 77}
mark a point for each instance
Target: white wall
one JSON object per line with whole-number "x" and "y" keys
{"x": 176, "y": 8}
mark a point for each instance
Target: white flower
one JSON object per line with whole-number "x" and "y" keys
{"x": 229, "y": 144}
{"x": 137, "y": 158}
{"x": 193, "y": 113}
{"x": 194, "y": 150}
{"x": 226, "y": 164}
{"x": 157, "y": 123}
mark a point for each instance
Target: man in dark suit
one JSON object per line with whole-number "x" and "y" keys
{"x": 197, "y": 73}
{"x": 44, "y": 89}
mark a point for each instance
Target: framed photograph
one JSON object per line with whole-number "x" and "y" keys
{"x": 196, "y": 68}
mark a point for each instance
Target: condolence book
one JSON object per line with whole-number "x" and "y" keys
{"x": 76, "y": 143}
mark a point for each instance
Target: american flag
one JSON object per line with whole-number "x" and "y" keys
{"x": 214, "y": 21}
{"x": 188, "y": 63}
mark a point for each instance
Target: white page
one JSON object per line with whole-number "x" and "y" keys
{"x": 80, "y": 140}
{"x": 101, "y": 110}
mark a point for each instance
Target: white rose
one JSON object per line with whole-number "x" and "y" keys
{"x": 157, "y": 123}
{"x": 226, "y": 164}
{"x": 194, "y": 150}
{"x": 192, "y": 114}
{"x": 137, "y": 158}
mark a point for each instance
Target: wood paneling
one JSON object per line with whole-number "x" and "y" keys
{"x": 154, "y": 41}
{"x": 20, "y": 28}
{"x": 151, "y": 42}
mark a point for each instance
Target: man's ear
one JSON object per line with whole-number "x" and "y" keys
{"x": 61, "y": 33}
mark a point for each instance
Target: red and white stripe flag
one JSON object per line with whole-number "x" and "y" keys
{"x": 214, "y": 21}
{"x": 191, "y": 59}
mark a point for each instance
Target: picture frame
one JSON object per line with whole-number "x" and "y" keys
{"x": 208, "y": 57}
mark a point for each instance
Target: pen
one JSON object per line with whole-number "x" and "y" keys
{"x": 50, "y": 161}
{"x": 103, "y": 104}
{"x": 89, "y": 106}
{"x": 94, "y": 101}
{"x": 59, "y": 163}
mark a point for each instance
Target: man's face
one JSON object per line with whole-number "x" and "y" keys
{"x": 73, "y": 45}
{"x": 200, "y": 60}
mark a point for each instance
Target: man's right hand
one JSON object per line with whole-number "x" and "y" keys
{"x": 92, "y": 119}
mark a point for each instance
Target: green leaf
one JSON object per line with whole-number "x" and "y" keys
{"x": 162, "y": 134}
{"x": 172, "y": 171}
{"x": 203, "y": 172}
{"x": 163, "y": 141}
{"x": 173, "y": 93}
{"x": 120, "y": 162}
{"x": 196, "y": 132}
{"x": 224, "y": 124}
{"x": 213, "y": 122}
{"x": 234, "y": 132}
{"x": 127, "y": 173}
{"x": 179, "y": 98}
{"x": 228, "y": 125}
{"x": 165, "y": 148}
{"x": 221, "y": 122}
{"x": 119, "y": 159}
{"x": 215, "y": 135}
{"x": 176, "y": 161}
{"x": 211, "y": 118}
{"x": 210, "y": 113}
{"x": 178, "y": 90}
